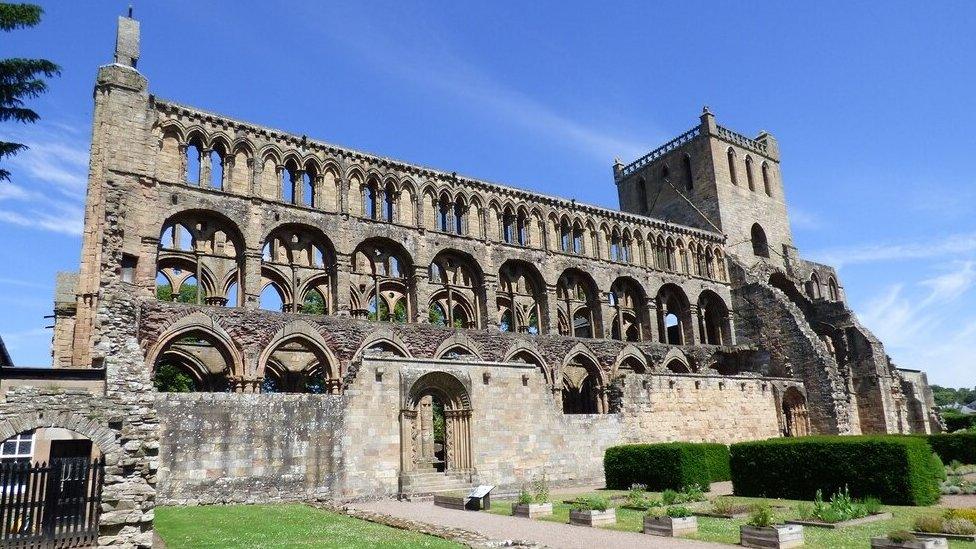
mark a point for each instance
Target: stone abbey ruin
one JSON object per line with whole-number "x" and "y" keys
{"x": 429, "y": 330}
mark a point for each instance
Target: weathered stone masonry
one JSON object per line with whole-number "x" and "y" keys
{"x": 430, "y": 330}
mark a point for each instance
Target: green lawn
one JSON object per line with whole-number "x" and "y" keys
{"x": 278, "y": 526}
{"x": 727, "y": 531}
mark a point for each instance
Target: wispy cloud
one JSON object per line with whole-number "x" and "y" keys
{"x": 924, "y": 325}
{"x": 899, "y": 251}
{"x": 48, "y": 184}
{"x": 426, "y": 61}
{"x": 801, "y": 219}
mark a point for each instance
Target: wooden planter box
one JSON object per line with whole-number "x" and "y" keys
{"x": 593, "y": 518}
{"x": 920, "y": 543}
{"x": 843, "y": 523}
{"x": 532, "y": 510}
{"x": 957, "y": 537}
{"x": 670, "y": 526}
{"x": 780, "y": 536}
{"x": 450, "y": 501}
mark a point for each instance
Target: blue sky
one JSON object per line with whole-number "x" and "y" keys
{"x": 872, "y": 105}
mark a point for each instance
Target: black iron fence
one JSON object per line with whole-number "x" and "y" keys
{"x": 52, "y": 505}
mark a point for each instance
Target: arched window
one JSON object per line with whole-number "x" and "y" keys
{"x": 832, "y": 292}
{"x": 193, "y": 361}
{"x": 380, "y": 283}
{"x": 289, "y": 183}
{"x": 578, "y": 240}
{"x": 389, "y": 203}
{"x": 308, "y": 187}
{"x": 508, "y": 227}
{"x": 297, "y": 365}
{"x": 193, "y": 156}
{"x": 565, "y": 236}
{"x": 689, "y": 175}
{"x": 520, "y": 298}
{"x": 665, "y": 172}
{"x": 194, "y": 250}
{"x": 582, "y": 387}
{"x": 444, "y": 214}
{"x": 674, "y": 315}
{"x": 217, "y": 169}
{"x": 767, "y": 184}
{"x": 626, "y": 298}
{"x": 760, "y": 246}
{"x": 578, "y": 304}
{"x": 301, "y": 260}
{"x": 459, "y": 210}
{"x": 455, "y": 300}
{"x": 522, "y": 229}
{"x": 749, "y": 178}
{"x": 713, "y": 316}
{"x": 730, "y": 154}
{"x": 615, "y": 246}
{"x": 371, "y": 201}
{"x": 813, "y": 287}
{"x": 272, "y": 298}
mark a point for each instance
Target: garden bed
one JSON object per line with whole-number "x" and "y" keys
{"x": 956, "y": 537}
{"x": 843, "y": 523}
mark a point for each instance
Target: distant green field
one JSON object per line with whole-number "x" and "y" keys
{"x": 279, "y": 526}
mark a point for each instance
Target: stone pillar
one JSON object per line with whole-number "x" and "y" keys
{"x": 552, "y": 311}
{"x": 490, "y": 294}
{"x": 183, "y": 167}
{"x": 342, "y": 297}
{"x": 298, "y": 187}
{"x": 422, "y": 291}
{"x": 651, "y": 333}
{"x": 205, "y": 168}
{"x": 407, "y": 419}
{"x": 694, "y": 315}
{"x": 251, "y": 287}
{"x": 252, "y": 179}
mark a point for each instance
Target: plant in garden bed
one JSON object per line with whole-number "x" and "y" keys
{"x": 842, "y": 507}
{"x": 592, "y": 511}
{"x": 728, "y": 507}
{"x": 761, "y": 530}
{"x": 673, "y": 521}
{"x": 535, "y": 503}
{"x": 688, "y": 494}
{"x": 948, "y": 523}
{"x": 638, "y": 499}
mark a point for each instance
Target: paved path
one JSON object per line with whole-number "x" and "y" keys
{"x": 551, "y": 534}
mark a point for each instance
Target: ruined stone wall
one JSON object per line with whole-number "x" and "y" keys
{"x": 275, "y": 447}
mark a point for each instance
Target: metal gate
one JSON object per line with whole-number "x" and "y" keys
{"x": 52, "y": 505}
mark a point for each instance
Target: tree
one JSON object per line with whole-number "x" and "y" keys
{"x": 20, "y": 78}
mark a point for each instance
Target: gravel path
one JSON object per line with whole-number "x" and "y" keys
{"x": 551, "y": 534}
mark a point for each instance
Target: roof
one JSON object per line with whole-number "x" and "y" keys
{"x": 4, "y": 355}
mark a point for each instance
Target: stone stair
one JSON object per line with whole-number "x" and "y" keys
{"x": 424, "y": 485}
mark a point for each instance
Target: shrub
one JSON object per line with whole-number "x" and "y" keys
{"x": 872, "y": 505}
{"x": 901, "y": 536}
{"x": 591, "y": 503}
{"x": 724, "y": 506}
{"x": 959, "y": 447}
{"x": 959, "y": 526}
{"x": 962, "y": 513}
{"x": 669, "y": 497}
{"x": 524, "y": 497}
{"x": 681, "y": 512}
{"x": 636, "y": 497}
{"x": 930, "y": 524}
{"x": 840, "y": 508}
{"x": 895, "y": 469}
{"x": 958, "y": 422}
{"x": 761, "y": 516}
{"x": 664, "y": 466}
{"x": 540, "y": 489}
{"x": 717, "y": 459}
{"x": 939, "y": 467}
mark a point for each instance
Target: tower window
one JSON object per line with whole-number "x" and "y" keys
{"x": 731, "y": 157}
{"x": 760, "y": 246}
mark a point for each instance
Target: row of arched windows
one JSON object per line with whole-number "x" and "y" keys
{"x": 200, "y": 261}
{"x": 215, "y": 164}
{"x": 750, "y": 175}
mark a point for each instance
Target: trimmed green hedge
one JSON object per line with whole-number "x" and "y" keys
{"x": 959, "y": 447}
{"x": 672, "y": 465}
{"x": 958, "y": 422}
{"x": 717, "y": 458}
{"x": 898, "y": 470}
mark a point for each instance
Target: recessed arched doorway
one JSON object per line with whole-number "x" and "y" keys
{"x": 435, "y": 426}
{"x": 796, "y": 420}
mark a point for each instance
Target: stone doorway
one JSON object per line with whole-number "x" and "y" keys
{"x": 435, "y": 426}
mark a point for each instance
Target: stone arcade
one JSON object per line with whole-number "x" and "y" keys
{"x": 431, "y": 330}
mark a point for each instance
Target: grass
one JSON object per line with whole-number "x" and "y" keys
{"x": 279, "y": 526}
{"x": 727, "y": 530}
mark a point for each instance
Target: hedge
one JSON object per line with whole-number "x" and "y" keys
{"x": 955, "y": 421}
{"x": 717, "y": 458}
{"x": 959, "y": 447}
{"x": 673, "y": 465}
{"x": 898, "y": 470}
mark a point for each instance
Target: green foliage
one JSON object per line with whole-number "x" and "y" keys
{"x": 188, "y": 293}
{"x": 840, "y": 508}
{"x": 170, "y": 379}
{"x": 591, "y": 503}
{"x": 947, "y": 395}
{"x": 540, "y": 489}
{"x": 717, "y": 457}
{"x": 896, "y": 469}
{"x": 761, "y": 516}
{"x": 637, "y": 497}
{"x": 679, "y": 512}
{"x": 440, "y": 426}
{"x": 931, "y": 524}
{"x": 724, "y": 506}
{"x": 955, "y": 421}
{"x": 901, "y": 536}
{"x": 872, "y": 505}
{"x": 959, "y": 447}
{"x": 669, "y": 497}
{"x": 524, "y": 497}
{"x": 962, "y": 513}
{"x": 959, "y": 526}
{"x": 313, "y": 304}
{"x": 673, "y": 465}
{"x": 20, "y": 79}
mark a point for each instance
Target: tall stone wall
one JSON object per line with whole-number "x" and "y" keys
{"x": 273, "y": 447}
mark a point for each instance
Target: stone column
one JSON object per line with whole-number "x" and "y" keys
{"x": 694, "y": 315}
{"x": 407, "y": 419}
{"x": 650, "y": 310}
{"x": 552, "y": 303}
{"x": 251, "y": 287}
{"x": 205, "y": 168}
{"x": 490, "y": 294}
{"x": 183, "y": 167}
{"x": 298, "y": 187}
{"x": 342, "y": 287}
{"x": 422, "y": 290}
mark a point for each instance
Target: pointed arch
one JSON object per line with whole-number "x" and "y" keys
{"x": 459, "y": 341}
